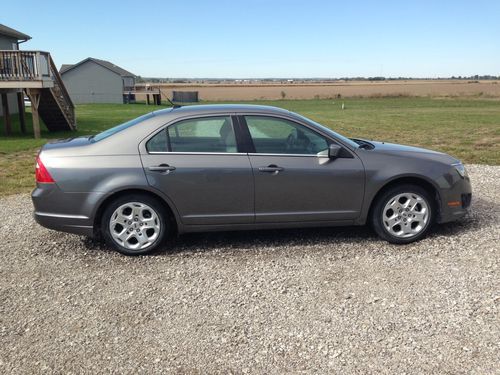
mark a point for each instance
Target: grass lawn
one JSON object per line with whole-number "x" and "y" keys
{"x": 468, "y": 129}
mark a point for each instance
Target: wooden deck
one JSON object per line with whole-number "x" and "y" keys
{"x": 129, "y": 95}
{"x": 34, "y": 73}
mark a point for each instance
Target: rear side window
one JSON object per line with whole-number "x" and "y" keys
{"x": 209, "y": 134}
{"x": 158, "y": 143}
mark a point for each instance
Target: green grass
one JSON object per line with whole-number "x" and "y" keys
{"x": 91, "y": 119}
{"x": 468, "y": 129}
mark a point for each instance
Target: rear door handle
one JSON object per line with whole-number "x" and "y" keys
{"x": 271, "y": 169}
{"x": 162, "y": 168}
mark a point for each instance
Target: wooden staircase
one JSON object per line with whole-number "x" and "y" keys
{"x": 56, "y": 108}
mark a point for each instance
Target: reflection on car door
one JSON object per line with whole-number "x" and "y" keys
{"x": 196, "y": 163}
{"x": 292, "y": 183}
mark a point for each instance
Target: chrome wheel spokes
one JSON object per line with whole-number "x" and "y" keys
{"x": 134, "y": 226}
{"x": 406, "y": 215}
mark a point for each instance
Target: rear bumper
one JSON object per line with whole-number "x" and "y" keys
{"x": 65, "y": 223}
{"x": 66, "y": 212}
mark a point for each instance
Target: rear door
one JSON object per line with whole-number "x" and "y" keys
{"x": 294, "y": 178}
{"x": 197, "y": 164}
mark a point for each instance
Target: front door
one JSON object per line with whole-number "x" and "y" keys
{"x": 294, "y": 178}
{"x": 196, "y": 163}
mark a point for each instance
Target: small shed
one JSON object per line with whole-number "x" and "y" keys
{"x": 97, "y": 81}
{"x": 185, "y": 96}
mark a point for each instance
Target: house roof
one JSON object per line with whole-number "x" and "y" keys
{"x": 5, "y": 30}
{"x": 65, "y": 67}
{"x": 106, "y": 64}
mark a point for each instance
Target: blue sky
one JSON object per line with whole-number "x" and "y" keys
{"x": 250, "y": 39}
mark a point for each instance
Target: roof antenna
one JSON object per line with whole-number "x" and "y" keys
{"x": 173, "y": 105}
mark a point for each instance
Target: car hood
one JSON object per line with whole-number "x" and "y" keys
{"x": 394, "y": 147}
{"x": 403, "y": 150}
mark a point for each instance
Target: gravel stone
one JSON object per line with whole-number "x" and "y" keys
{"x": 330, "y": 300}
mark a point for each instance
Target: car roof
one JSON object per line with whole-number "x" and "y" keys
{"x": 220, "y": 108}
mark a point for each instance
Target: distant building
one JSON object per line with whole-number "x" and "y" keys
{"x": 9, "y": 41}
{"x": 96, "y": 81}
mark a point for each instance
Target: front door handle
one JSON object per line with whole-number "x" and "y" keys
{"x": 162, "y": 168}
{"x": 271, "y": 169}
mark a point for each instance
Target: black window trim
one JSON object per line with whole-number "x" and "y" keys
{"x": 244, "y": 136}
{"x": 243, "y": 139}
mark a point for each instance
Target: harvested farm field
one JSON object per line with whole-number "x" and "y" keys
{"x": 244, "y": 91}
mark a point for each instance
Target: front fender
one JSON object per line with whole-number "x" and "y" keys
{"x": 383, "y": 170}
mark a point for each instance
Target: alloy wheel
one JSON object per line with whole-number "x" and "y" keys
{"x": 135, "y": 226}
{"x": 406, "y": 215}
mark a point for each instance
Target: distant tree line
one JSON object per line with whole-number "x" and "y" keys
{"x": 474, "y": 77}
{"x": 299, "y": 80}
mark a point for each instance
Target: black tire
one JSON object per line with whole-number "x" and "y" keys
{"x": 387, "y": 195}
{"x": 151, "y": 202}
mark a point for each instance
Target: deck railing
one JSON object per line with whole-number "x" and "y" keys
{"x": 24, "y": 65}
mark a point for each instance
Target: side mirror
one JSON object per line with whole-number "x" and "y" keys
{"x": 334, "y": 151}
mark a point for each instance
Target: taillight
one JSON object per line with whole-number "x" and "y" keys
{"x": 41, "y": 173}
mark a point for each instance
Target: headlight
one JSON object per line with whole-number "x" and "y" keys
{"x": 460, "y": 169}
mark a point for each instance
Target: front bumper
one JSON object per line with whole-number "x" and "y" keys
{"x": 455, "y": 200}
{"x": 66, "y": 212}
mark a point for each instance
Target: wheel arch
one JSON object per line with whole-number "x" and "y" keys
{"x": 172, "y": 213}
{"x": 420, "y": 181}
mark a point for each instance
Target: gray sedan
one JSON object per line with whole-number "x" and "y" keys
{"x": 239, "y": 167}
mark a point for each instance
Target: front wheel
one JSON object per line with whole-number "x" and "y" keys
{"x": 134, "y": 224}
{"x": 403, "y": 214}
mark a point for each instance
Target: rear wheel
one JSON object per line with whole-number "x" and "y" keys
{"x": 403, "y": 214}
{"x": 135, "y": 224}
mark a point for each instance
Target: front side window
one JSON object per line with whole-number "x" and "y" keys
{"x": 209, "y": 134}
{"x": 278, "y": 136}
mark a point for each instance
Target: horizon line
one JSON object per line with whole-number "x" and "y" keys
{"x": 367, "y": 78}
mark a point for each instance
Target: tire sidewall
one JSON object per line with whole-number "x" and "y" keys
{"x": 151, "y": 202}
{"x": 377, "y": 213}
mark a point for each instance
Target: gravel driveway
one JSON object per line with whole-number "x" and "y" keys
{"x": 329, "y": 300}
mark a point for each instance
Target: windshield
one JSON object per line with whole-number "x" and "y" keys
{"x": 335, "y": 134}
{"x": 119, "y": 128}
